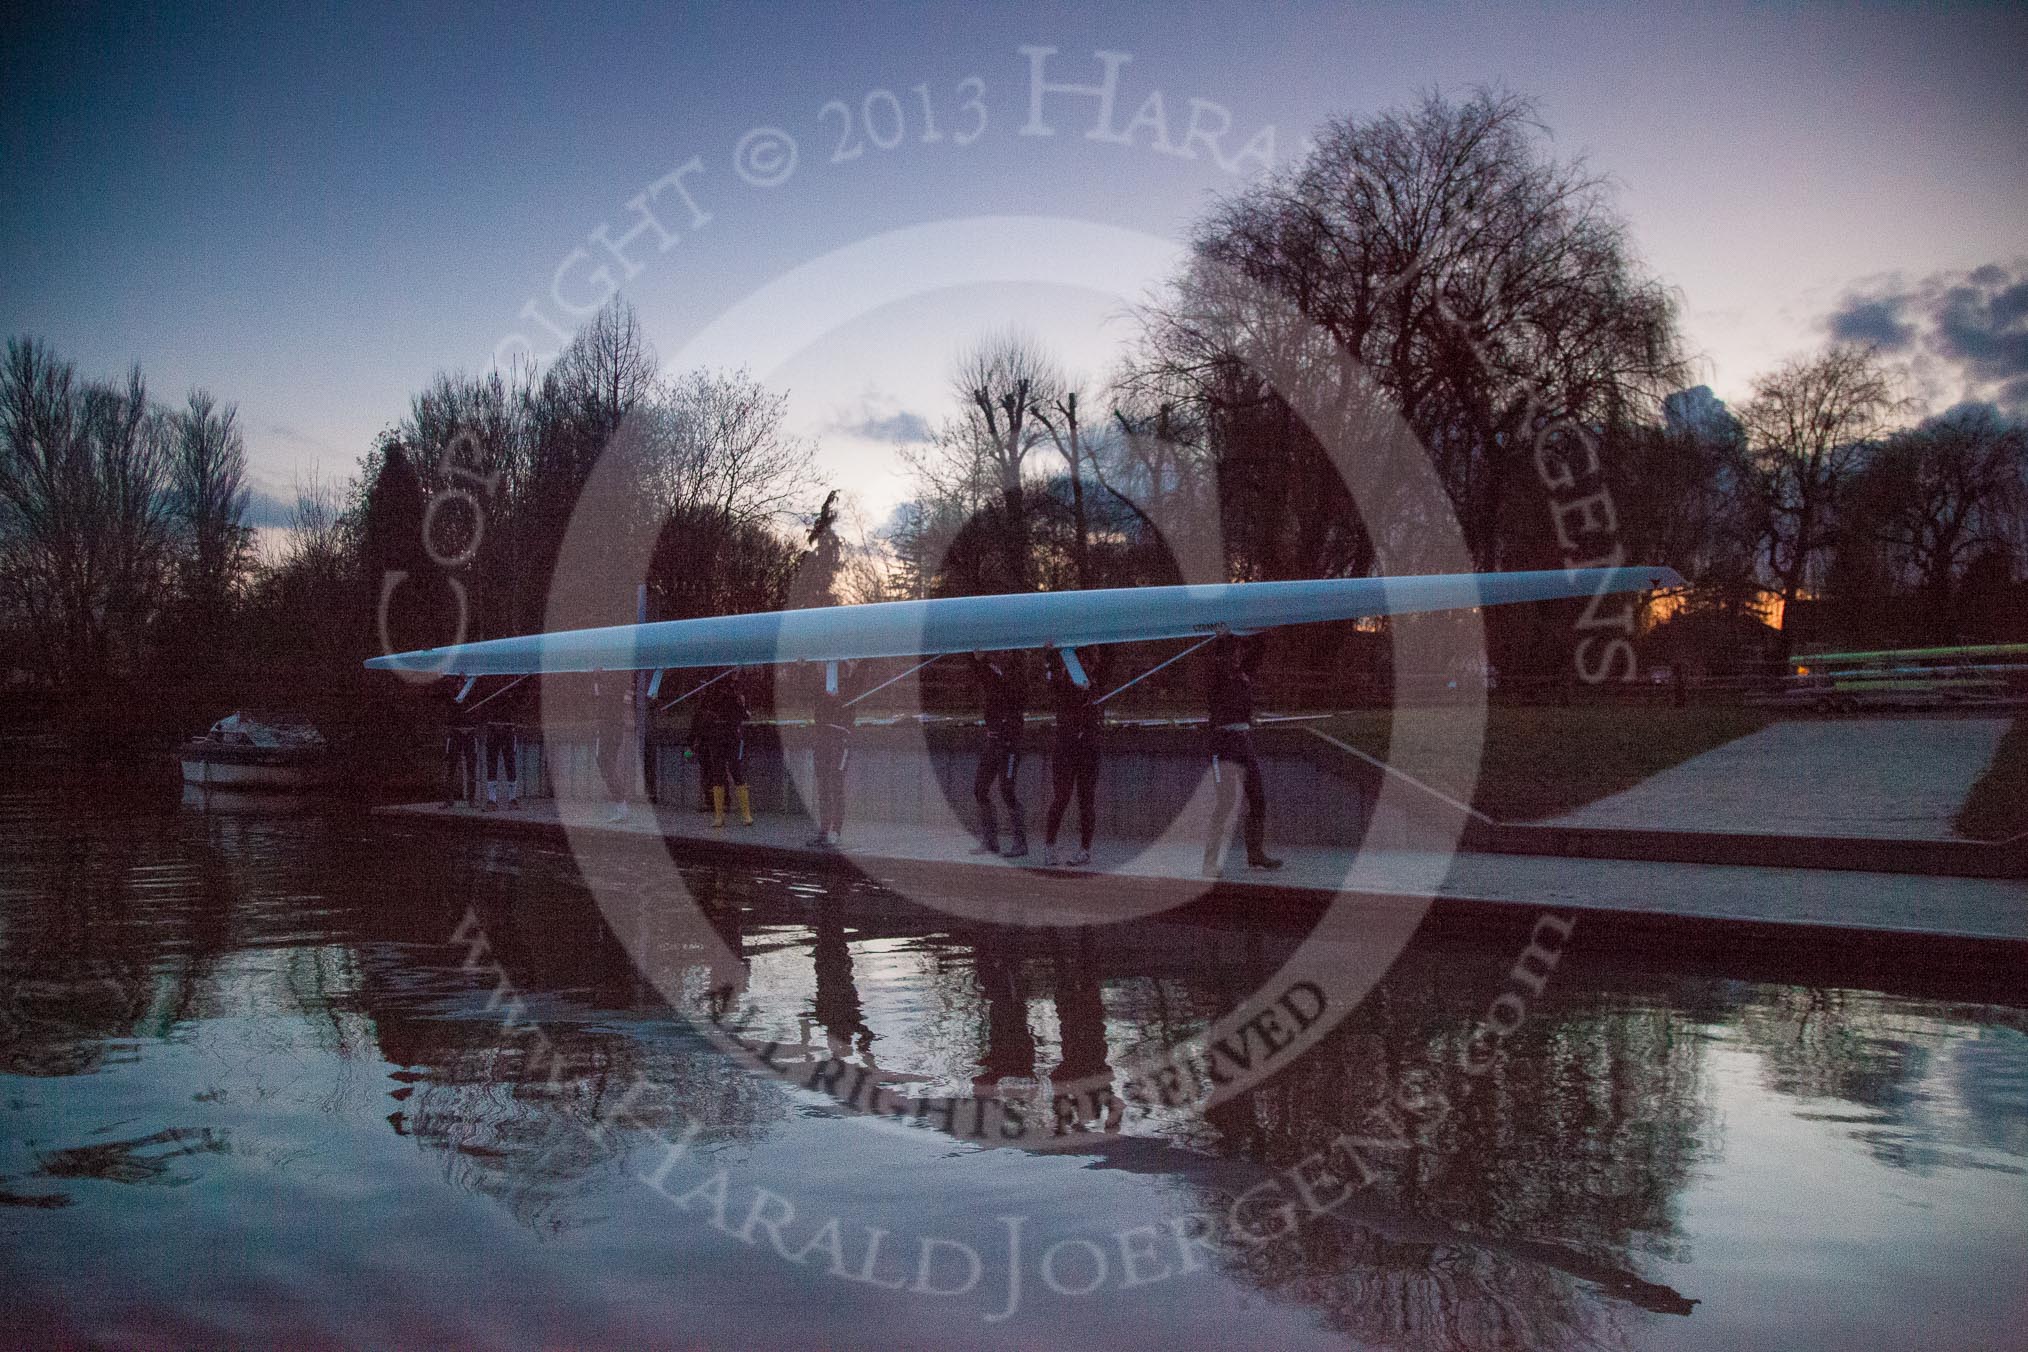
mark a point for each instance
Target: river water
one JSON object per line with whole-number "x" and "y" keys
{"x": 255, "y": 1088}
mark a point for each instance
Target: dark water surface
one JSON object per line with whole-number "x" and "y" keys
{"x": 252, "y": 1092}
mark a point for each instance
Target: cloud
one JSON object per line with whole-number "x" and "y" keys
{"x": 899, "y": 427}
{"x": 1967, "y": 330}
{"x": 1873, "y": 321}
{"x": 266, "y": 509}
{"x": 297, "y": 437}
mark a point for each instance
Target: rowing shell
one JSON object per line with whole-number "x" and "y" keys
{"x": 1072, "y": 619}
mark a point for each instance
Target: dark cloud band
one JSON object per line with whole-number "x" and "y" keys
{"x": 1971, "y": 325}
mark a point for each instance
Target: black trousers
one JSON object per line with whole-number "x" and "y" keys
{"x": 1233, "y": 765}
{"x": 461, "y": 764}
{"x": 501, "y": 762}
{"x": 612, "y": 759}
{"x": 1074, "y": 770}
{"x": 723, "y": 760}
{"x": 998, "y": 762}
{"x": 832, "y": 751}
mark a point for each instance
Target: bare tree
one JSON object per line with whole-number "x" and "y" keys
{"x": 871, "y": 569}
{"x": 1067, "y": 431}
{"x": 1448, "y": 264}
{"x": 84, "y": 512}
{"x": 584, "y": 411}
{"x": 473, "y": 440}
{"x": 722, "y": 446}
{"x": 208, "y": 486}
{"x": 1001, "y": 382}
{"x": 724, "y": 474}
{"x": 316, "y": 529}
{"x": 1944, "y": 494}
{"x": 1809, "y": 426}
{"x": 607, "y": 368}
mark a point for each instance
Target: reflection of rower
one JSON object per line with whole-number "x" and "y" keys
{"x": 1080, "y": 1011}
{"x": 726, "y": 919}
{"x": 836, "y": 1005}
{"x": 836, "y": 1009}
{"x": 1083, "y": 1080}
{"x": 1010, "y": 1045}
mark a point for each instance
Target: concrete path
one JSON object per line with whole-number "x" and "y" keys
{"x": 1894, "y": 778}
{"x": 1975, "y": 908}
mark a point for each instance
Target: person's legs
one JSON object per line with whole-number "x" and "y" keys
{"x": 1087, "y": 800}
{"x": 736, "y": 765}
{"x": 982, "y": 792}
{"x": 827, "y": 789}
{"x": 1061, "y": 785}
{"x": 609, "y": 769}
{"x": 1256, "y": 809}
{"x": 450, "y": 766}
{"x": 1225, "y": 778}
{"x": 468, "y": 760}
{"x": 1063, "y": 781}
{"x": 510, "y": 766}
{"x": 499, "y": 764}
{"x": 1256, "y": 813}
{"x": 827, "y": 793}
{"x": 834, "y": 820}
{"x": 830, "y": 792}
{"x": 713, "y": 757}
{"x": 1010, "y": 763}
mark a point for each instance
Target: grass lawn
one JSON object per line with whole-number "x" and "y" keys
{"x": 1997, "y": 807}
{"x": 1538, "y": 762}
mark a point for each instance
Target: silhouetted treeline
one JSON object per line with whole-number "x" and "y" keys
{"x": 133, "y": 598}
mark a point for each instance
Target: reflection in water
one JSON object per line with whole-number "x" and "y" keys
{"x": 144, "y": 1159}
{"x": 836, "y": 1005}
{"x": 252, "y": 1003}
{"x": 1010, "y": 1044}
{"x": 1080, "y": 1009}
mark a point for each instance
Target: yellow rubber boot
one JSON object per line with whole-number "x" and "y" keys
{"x": 718, "y": 804}
{"x": 745, "y": 804}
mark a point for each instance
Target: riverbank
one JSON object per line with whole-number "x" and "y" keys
{"x": 1876, "y": 920}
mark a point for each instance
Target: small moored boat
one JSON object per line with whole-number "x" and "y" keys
{"x": 244, "y": 752}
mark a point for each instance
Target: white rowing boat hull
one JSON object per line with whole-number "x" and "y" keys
{"x": 1074, "y": 619}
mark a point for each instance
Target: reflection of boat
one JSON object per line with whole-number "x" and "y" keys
{"x": 231, "y": 802}
{"x": 244, "y": 752}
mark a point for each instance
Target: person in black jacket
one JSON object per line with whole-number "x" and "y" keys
{"x": 1074, "y": 759}
{"x": 1233, "y": 664}
{"x": 718, "y": 736}
{"x": 1006, "y": 705}
{"x": 831, "y": 748}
